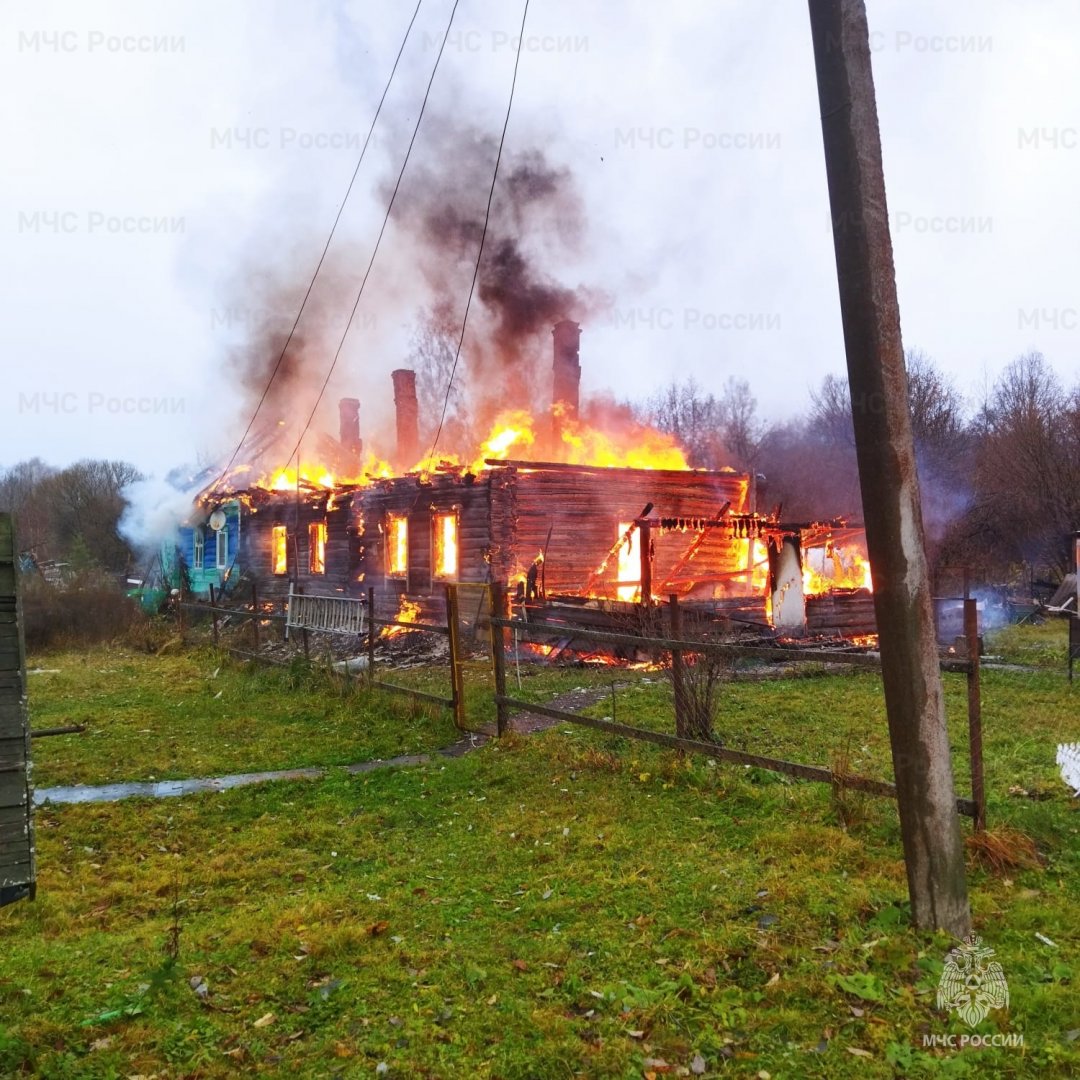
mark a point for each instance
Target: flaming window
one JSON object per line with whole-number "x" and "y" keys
{"x": 279, "y": 550}
{"x": 198, "y": 551}
{"x": 317, "y": 547}
{"x": 397, "y": 545}
{"x": 445, "y": 547}
{"x": 628, "y": 584}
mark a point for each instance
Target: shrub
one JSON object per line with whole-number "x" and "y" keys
{"x": 88, "y": 608}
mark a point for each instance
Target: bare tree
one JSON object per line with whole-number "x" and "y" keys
{"x": 1027, "y": 476}
{"x": 741, "y": 431}
{"x": 937, "y": 412}
{"x": 431, "y": 355}
{"x": 830, "y": 413}
{"x": 684, "y": 410}
{"x": 713, "y": 431}
{"x": 19, "y": 494}
{"x": 85, "y": 503}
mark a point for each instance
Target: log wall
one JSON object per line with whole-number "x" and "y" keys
{"x": 848, "y": 614}
{"x": 505, "y": 517}
{"x": 419, "y": 501}
{"x": 582, "y": 509}
{"x": 260, "y": 516}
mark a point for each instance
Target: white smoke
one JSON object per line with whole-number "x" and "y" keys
{"x": 155, "y": 508}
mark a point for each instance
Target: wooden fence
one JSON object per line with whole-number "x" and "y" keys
{"x": 678, "y": 647}
{"x": 17, "y": 857}
{"x": 309, "y": 618}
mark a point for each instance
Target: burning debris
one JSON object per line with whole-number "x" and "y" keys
{"x": 408, "y": 612}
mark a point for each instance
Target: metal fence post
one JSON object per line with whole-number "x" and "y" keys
{"x": 974, "y": 696}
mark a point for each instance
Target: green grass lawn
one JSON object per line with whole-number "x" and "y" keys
{"x": 1043, "y": 646}
{"x": 200, "y": 714}
{"x": 567, "y": 904}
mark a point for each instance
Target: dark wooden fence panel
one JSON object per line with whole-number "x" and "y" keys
{"x": 16, "y": 808}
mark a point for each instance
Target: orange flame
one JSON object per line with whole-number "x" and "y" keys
{"x": 836, "y": 567}
{"x": 614, "y": 443}
{"x": 628, "y": 586}
{"x": 280, "y": 549}
{"x": 408, "y": 612}
{"x": 446, "y": 545}
{"x": 398, "y": 545}
{"x": 636, "y": 447}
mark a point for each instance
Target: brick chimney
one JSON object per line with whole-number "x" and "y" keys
{"x": 566, "y": 375}
{"x": 349, "y": 432}
{"x": 408, "y": 417}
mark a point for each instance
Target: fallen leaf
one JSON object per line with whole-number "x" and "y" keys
{"x": 102, "y": 1044}
{"x": 494, "y": 998}
{"x": 265, "y": 1020}
{"x": 376, "y": 928}
{"x": 636, "y": 1034}
{"x": 857, "y": 1012}
{"x": 774, "y": 980}
{"x": 520, "y": 965}
{"x": 859, "y": 1053}
{"x": 697, "y": 1065}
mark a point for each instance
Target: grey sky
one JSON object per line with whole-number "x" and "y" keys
{"x": 160, "y": 160}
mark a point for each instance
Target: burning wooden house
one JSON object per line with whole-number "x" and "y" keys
{"x": 548, "y": 529}
{"x": 598, "y": 521}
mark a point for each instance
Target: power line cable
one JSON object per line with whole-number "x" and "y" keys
{"x": 378, "y": 242}
{"x": 326, "y": 248}
{"x": 483, "y": 235}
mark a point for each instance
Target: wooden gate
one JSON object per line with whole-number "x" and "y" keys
{"x": 16, "y": 823}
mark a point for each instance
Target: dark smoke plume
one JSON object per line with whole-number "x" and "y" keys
{"x": 537, "y": 227}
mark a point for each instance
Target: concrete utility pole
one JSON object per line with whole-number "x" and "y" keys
{"x": 933, "y": 849}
